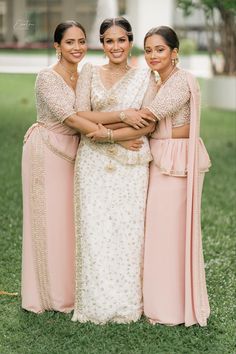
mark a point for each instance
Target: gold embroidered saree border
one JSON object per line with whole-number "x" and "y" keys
{"x": 38, "y": 222}
{"x": 56, "y": 151}
{"x": 78, "y": 257}
{"x": 47, "y": 142}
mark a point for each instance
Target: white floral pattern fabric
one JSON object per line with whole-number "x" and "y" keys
{"x": 110, "y": 197}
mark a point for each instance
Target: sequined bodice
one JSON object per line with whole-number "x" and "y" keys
{"x": 55, "y": 100}
{"x": 173, "y": 100}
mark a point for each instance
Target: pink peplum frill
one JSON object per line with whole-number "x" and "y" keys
{"x": 171, "y": 156}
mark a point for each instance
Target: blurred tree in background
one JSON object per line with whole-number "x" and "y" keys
{"x": 221, "y": 32}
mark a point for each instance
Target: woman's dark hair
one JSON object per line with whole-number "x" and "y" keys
{"x": 116, "y": 21}
{"x": 167, "y": 33}
{"x": 63, "y": 26}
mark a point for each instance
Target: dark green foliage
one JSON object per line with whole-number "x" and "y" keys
{"x": 221, "y": 29}
{"x": 54, "y": 333}
{"x": 189, "y": 5}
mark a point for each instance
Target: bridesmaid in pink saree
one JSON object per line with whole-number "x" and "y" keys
{"x": 174, "y": 286}
{"x": 49, "y": 151}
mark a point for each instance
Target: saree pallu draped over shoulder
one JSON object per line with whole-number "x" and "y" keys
{"x": 196, "y": 299}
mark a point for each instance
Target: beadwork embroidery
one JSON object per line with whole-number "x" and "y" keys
{"x": 38, "y": 211}
{"x": 176, "y": 106}
{"x": 109, "y": 211}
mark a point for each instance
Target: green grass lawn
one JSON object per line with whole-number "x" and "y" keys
{"x": 22, "y": 332}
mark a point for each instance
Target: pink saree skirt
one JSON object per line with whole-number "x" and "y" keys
{"x": 48, "y": 227}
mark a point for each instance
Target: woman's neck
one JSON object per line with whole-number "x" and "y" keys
{"x": 71, "y": 67}
{"x": 117, "y": 66}
{"x": 165, "y": 74}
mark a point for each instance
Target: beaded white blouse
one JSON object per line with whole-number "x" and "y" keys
{"x": 173, "y": 100}
{"x": 55, "y": 100}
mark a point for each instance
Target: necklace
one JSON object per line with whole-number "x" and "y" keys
{"x": 113, "y": 75}
{"x": 72, "y": 78}
{"x": 160, "y": 82}
{"x": 117, "y": 72}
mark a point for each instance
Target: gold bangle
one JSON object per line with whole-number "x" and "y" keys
{"x": 111, "y": 137}
{"x": 108, "y": 135}
{"x": 122, "y": 116}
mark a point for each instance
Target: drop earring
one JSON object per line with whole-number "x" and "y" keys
{"x": 175, "y": 61}
{"x": 58, "y": 54}
{"x": 130, "y": 53}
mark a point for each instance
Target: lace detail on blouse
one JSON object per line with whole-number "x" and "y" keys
{"x": 173, "y": 100}
{"x": 55, "y": 100}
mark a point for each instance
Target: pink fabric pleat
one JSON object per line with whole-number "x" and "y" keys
{"x": 163, "y": 288}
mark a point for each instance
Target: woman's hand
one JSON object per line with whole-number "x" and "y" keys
{"x": 134, "y": 145}
{"x": 147, "y": 115}
{"x": 99, "y": 135}
{"x": 135, "y": 119}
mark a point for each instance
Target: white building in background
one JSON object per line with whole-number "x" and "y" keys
{"x": 105, "y": 9}
{"x": 142, "y": 14}
{"x": 145, "y": 14}
{"x": 32, "y": 22}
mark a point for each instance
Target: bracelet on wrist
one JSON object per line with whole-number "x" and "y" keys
{"x": 110, "y": 136}
{"x": 122, "y": 116}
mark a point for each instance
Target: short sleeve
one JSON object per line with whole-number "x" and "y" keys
{"x": 171, "y": 97}
{"x": 50, "y": 91}
{"x": 84, "y": 88}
